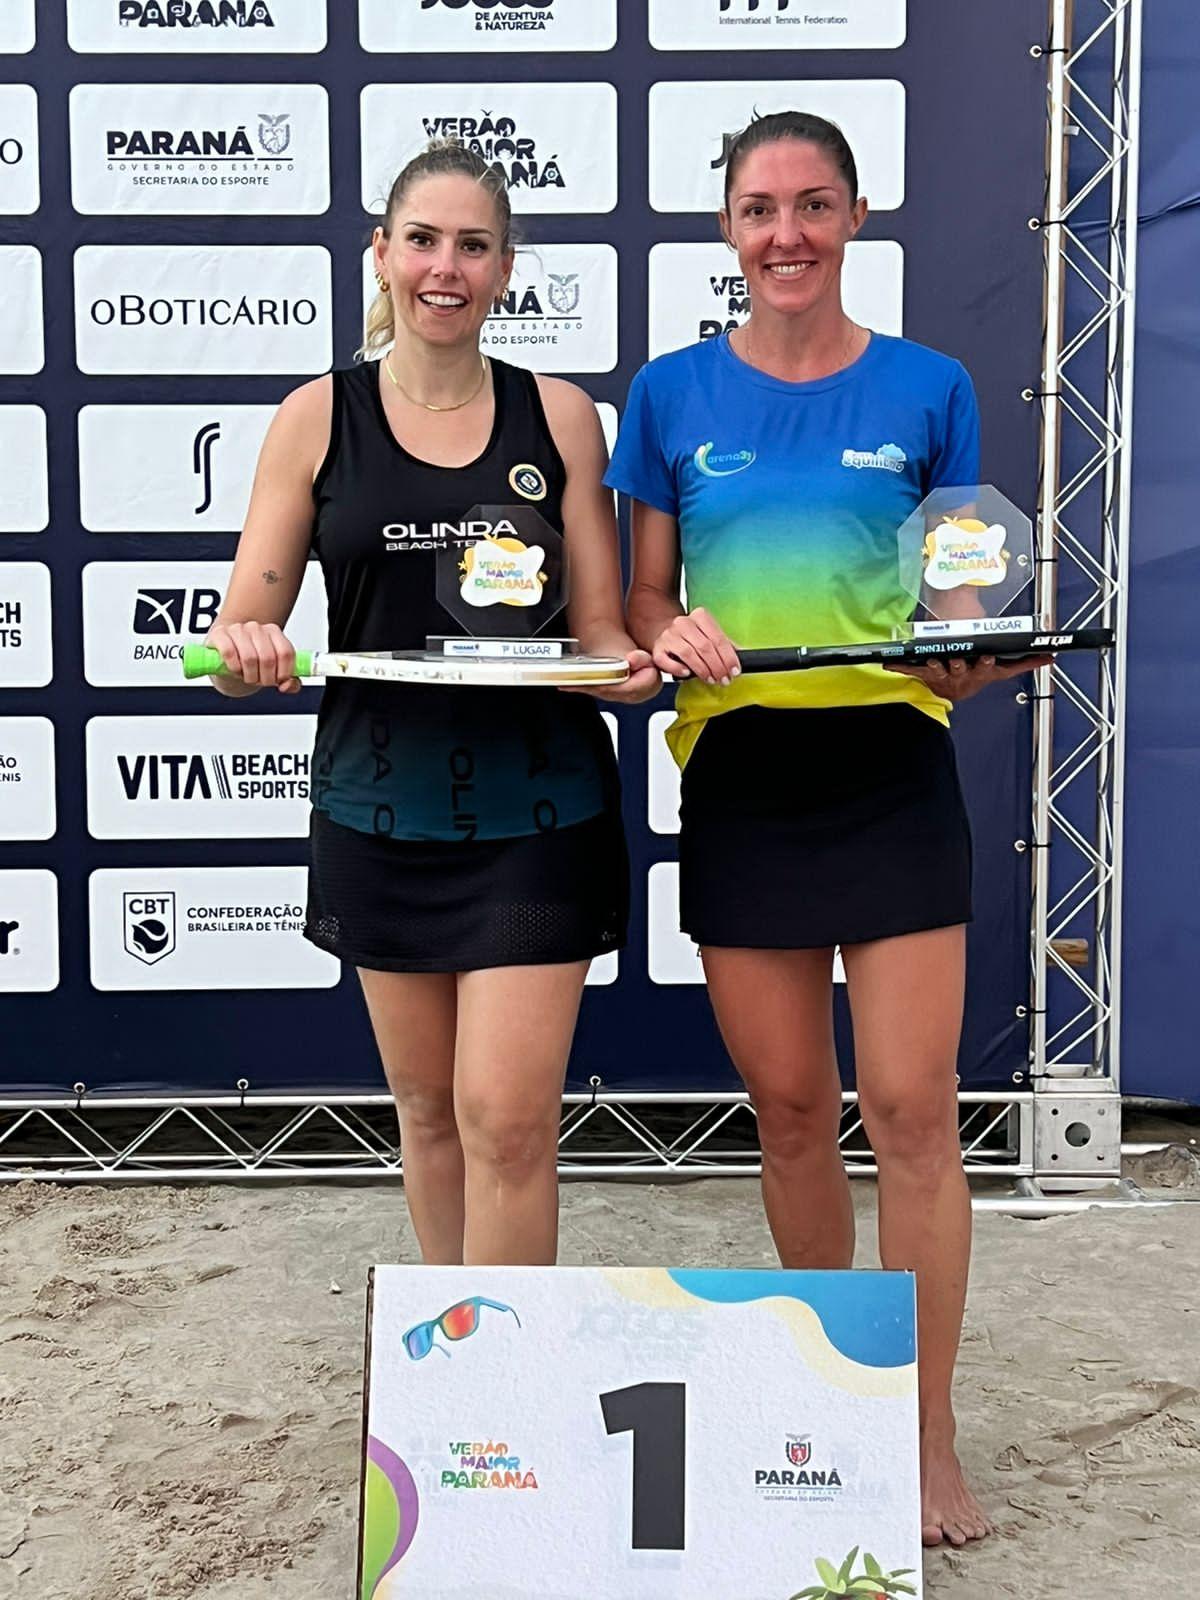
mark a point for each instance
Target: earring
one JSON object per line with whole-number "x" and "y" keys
{"x": 384, "y": 285}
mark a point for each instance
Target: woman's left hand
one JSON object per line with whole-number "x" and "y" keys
{"x": 957, "y": 679}
{"x": 643, "y": 683}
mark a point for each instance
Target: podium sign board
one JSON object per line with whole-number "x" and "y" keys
{"x": 638, "y": 1434}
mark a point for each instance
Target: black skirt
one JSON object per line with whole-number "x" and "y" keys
{"x": 397, "y": 905}
{"x": 802, "y": 829}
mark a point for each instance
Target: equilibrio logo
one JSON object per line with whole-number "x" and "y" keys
{"x": 196, "y": 25}
{"x": 200, "y": 149}
{"x": 417, "y": 25}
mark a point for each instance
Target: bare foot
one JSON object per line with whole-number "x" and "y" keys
{"x": 949, "y": 1511}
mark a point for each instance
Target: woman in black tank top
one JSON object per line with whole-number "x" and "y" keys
{"x": 467, "y": 851}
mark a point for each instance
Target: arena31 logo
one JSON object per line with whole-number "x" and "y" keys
{"x": 194, "y": 14}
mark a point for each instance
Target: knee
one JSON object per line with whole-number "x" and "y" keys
{"x": 792, "y": 1124}
{"x": 509, "y": 1139}
{"x": 919, "y": 1132}
{"x": 425, "y": 1114}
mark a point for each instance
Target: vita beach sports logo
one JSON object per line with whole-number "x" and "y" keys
{"x": 725, "y": 464}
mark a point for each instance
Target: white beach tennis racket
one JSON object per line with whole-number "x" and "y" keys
{"x": 427, "y": 666}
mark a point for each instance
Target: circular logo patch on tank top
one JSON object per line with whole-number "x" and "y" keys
{"x": 528, "y": 481}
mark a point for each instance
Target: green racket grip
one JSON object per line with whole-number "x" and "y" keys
{"x": 201, "y": 661}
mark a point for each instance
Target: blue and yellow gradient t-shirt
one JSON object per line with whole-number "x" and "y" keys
{"x": 789, "y": 497}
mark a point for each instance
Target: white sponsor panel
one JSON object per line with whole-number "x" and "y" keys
{"x": 559, "y": 313}
{"x": 692, "y": 124}
{"x": 17, "y": 27}
{"x": 199, "y": 27}
{"x": 556, "y": 143}
{"x": 609, "y": 421}
{"x": 181, "y": 149}
{"x": 28, "y": 932}
{"x": 697, "y": 291}
{"x": 20, "y": 183}
{"x": 27, "y": 794}
{"x": 603, "y": 971}
{"x": 673, "y": 958}
{"x": 22, "y": 346}
{"x": 168, "y": 469}
{"x": 203, "y": 928}
{"x": 26, "y": 649}
{"x": 225, "y": 309}
{"x": 138, "y": 615}
{"x": 219, "y": 777}
{"x": 454, "y": 26}
{"x": 778, "y": 24}
{"x": 662, "y": 787}
{"x": 25, "y": 507}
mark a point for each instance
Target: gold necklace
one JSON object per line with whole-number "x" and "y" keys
{"x": 458, "y": 404}
{"x": 847, "y": 352}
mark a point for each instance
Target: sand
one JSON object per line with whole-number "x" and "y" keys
{"x": 180, "y": 1379}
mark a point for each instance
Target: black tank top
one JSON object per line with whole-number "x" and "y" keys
{"x": 416, "y": 761}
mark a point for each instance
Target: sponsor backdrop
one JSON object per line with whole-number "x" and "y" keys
{"x": 187, "y": 188}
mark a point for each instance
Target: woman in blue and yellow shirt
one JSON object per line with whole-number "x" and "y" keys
{"x": 819, "y": 809}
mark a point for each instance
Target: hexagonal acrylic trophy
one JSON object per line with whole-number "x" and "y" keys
{"x": 504, "y": 584}
{"x": 966, "y": 565}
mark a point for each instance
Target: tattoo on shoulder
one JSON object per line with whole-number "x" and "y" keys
{"x": 270, "y": 577}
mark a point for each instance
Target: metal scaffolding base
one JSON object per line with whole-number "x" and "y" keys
{"x": 100, "y": 1140}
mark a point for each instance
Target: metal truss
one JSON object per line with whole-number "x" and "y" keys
{"x": 1090, "y": 232}
{"x": 101, "y": 1140}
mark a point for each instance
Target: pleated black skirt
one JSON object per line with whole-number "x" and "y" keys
{"x": 802, "y": 829}
{"x": 396, "y": 905}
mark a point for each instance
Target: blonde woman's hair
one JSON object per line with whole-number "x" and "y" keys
{"x": 440, "y": 158}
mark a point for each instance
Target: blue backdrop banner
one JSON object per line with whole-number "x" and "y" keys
{"x": 186, "y": 196}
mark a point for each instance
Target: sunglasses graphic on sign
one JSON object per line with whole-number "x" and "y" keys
{"x": 459, "y": 1322}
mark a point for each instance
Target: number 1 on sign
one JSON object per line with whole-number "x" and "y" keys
{"x": 656, "y": 1415}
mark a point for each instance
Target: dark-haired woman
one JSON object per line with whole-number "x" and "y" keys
{"x": 467, "y": 851}
{"x": 819, "y": 809}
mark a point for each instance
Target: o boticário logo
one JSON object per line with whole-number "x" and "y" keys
{"x": 724, "y": 464}
{"x": 501, "y": 570}
{"x": 963, "y": 550}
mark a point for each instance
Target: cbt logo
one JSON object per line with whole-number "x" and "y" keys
{"x": 194, "y": 14}
{"x": 7, "y": 929}
{"x": 149, "y": 921}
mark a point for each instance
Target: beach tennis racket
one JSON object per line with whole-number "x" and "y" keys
{"x": 429, "y": 666}
{"x": 1011, "y": 647}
